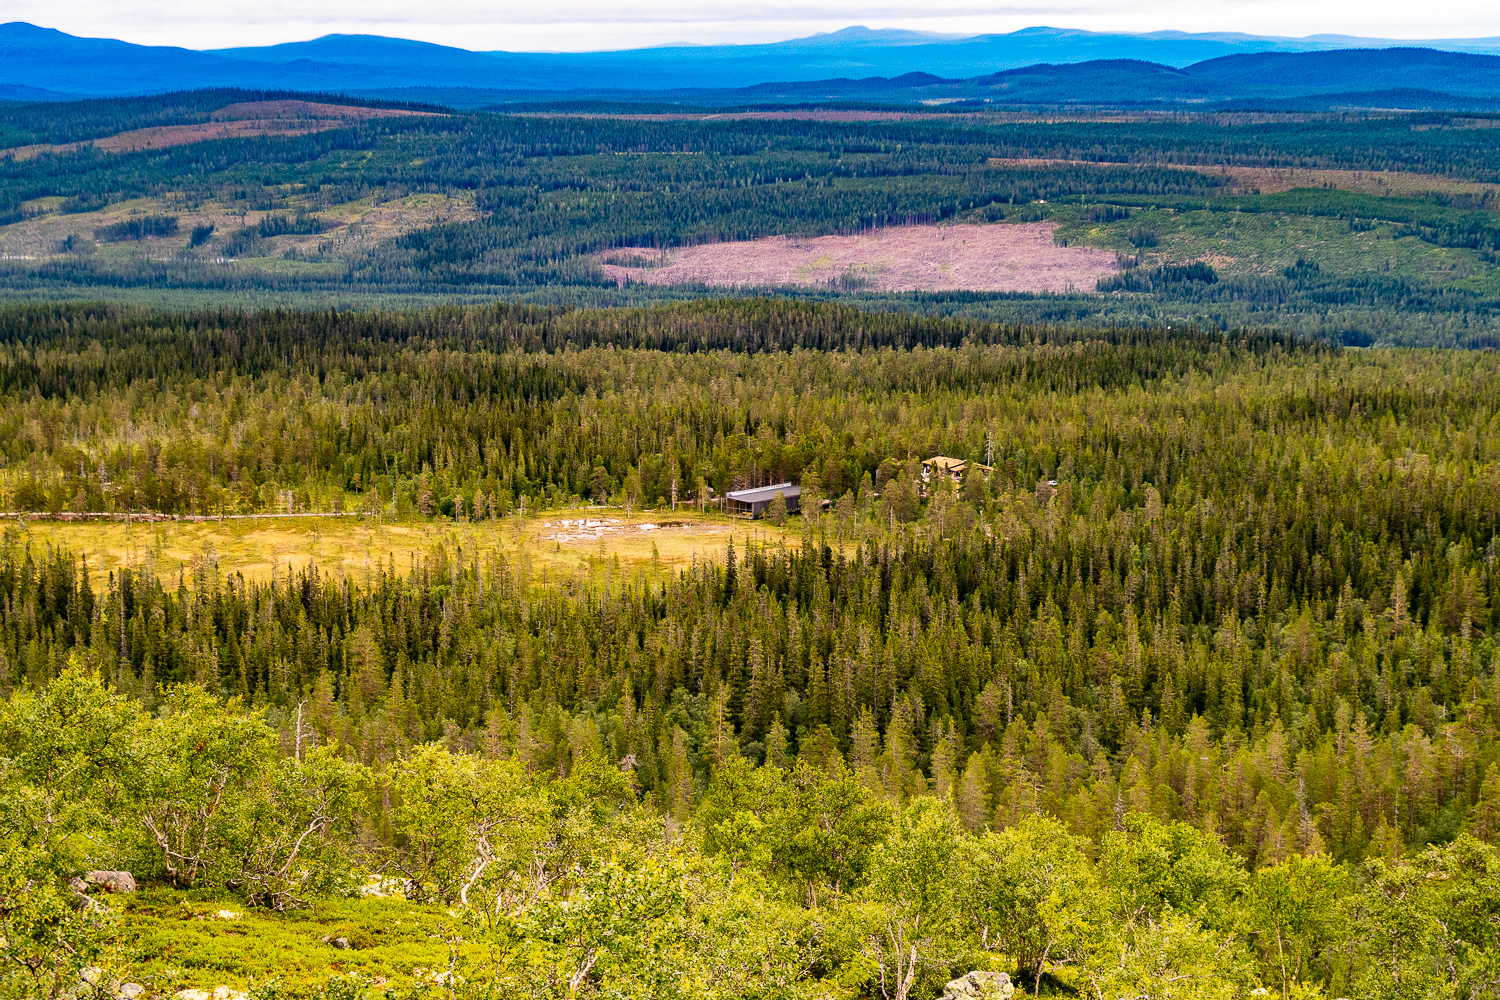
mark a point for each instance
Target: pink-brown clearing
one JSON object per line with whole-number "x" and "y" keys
{"x": 992, "y": 258}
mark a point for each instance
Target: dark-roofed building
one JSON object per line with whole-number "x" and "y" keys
{"x": 754, "y": 503}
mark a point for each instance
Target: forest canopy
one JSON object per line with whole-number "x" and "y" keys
{"x": 1194, "y": 693}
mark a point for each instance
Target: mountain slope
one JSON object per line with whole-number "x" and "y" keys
{"x": 47, "y": 59}
{"x": 1373, "y": 69}
{"x": 1101, "y": 81}
{"x": 1415, "y": 78}
{"x": 1041, "y": 65}
{"x": 367, "y": 50}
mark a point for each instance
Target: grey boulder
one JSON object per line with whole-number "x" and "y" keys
{"x": 111, "y": 881}
{"x": 980, "y": 986}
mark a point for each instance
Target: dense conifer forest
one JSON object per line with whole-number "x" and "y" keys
{"x": 1194, "y": 694}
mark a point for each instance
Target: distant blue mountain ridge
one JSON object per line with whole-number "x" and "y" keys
{"x": 1036, "y": 64}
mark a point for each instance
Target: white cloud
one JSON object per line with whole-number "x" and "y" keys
{"x": 593, "y": 24}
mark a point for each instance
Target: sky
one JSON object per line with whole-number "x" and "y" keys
{"x": 583, "y": 25}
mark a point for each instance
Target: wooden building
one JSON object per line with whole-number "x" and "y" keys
{"x": 953, "y": 468}
{"x": 754, "y": 503}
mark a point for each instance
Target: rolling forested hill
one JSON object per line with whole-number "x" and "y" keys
{"x": 1364, "y": 228}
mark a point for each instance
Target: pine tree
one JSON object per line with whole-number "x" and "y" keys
{"x": 1385, "y": 843}
{"x": 678, "y": 788}
{"x": 1484, "y": 819}
{"x": 864, "y": 752}
{"x": 945, "y": 754}
{"x": 776, "y": 744}
{"x": 972, "y": 798}
{"x": 776, "y": 511}
{"x": 722, "y": 743}
{"x": 815, "y": 708}
{"x": 810, "y": 500}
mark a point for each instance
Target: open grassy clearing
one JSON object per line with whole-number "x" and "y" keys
{"x": 177, "y": 940}
{"x": 1272, "y": 180}
{"x": 350, "y": 228}
{"x": 592, "y": 540}
{"x": 1265, "y": 243}
{"x": 1269, "y": 180}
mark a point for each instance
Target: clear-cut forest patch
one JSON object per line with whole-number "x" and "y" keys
{"x": 244, "y": 120}
{"x": 983, "y": 258}
{"x": 342, "y": 231}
